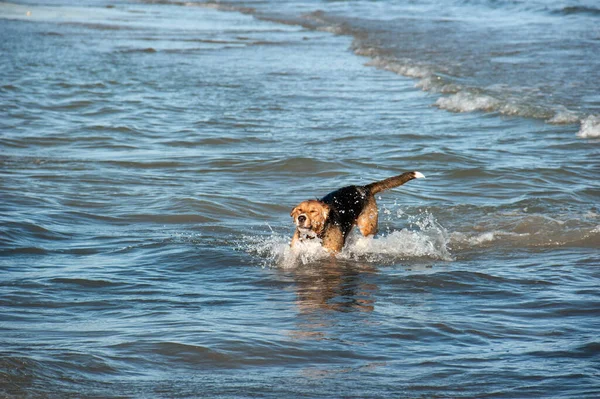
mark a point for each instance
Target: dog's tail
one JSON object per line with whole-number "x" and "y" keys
{"x": 392, "y": 182}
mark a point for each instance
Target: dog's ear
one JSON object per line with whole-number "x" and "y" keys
{"x": 296, "y": 210}
{"x": 325, "y": 210}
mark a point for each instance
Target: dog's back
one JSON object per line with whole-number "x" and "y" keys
{"x": 347, "y": 203}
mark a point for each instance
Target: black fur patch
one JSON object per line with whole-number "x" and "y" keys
{"x": 346, "y": 204}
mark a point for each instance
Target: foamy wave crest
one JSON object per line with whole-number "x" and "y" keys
{"x": 428, "y": 79}
{"x": 590, "y": 127}
{"x": 408, "y": 69}
{"x": 461, "y": 240}
{"x": 470, "y": 100}
{"x": 501, "y": 99}
{"x": 564, "y": 117}
{"x": 430, "y": 75}
{"x": 319, "y": 21}
{"x": 425, "y": 239}
{"x": 467, "y": 102}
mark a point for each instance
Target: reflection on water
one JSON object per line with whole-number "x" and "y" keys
{"x": 334, "y": 286}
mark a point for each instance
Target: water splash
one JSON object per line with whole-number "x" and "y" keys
{"x": 424, "y": 238}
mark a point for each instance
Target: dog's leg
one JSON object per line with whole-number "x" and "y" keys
{"x": 367, "y": 220}
{"x": 295, "y": 238}
{"x": 333, "y": 240}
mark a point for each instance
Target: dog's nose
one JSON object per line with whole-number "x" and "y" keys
{"x": 301, "y": 219}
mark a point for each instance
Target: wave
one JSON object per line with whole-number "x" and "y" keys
{"x": 426, "y": 239}
{"x": 443, "y": 59}
{"x": 571, "y": 10}
{"x": 460, "y": 98}
{"x": 470, "y": 101}
{"x": 471, "y": 76}
{"x": 519, "y": 229}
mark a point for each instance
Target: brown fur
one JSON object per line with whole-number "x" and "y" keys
{"x": 331, "y": 219}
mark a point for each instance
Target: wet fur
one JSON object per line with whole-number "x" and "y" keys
{"x": 332, "y": 217}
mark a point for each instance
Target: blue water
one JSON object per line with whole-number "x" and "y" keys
{"x": 151, "y": 152}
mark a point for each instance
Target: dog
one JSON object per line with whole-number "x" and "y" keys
{"x": 331, "y": 218}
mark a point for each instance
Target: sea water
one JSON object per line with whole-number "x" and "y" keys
{"x": 151, "y": 152}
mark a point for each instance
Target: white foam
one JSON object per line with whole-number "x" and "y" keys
{"x": 462, "y": 239}
{"x": 564, "y": 117}
{"x": 437, "y": 84}
{"x": 468, "y": 102}
{"x": 590, "y": 127}
{"x": 404, "y": 69}
{"x": 591, "y": 215}
{"x": 335, "y": 29}
{"x": 427, "y": 80}
{"x": 398, "y": 245}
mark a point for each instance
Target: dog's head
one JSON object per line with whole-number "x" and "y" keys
{"x": 310, "y": 216}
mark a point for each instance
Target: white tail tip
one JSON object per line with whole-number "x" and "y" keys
{"x": 419, "y": 175}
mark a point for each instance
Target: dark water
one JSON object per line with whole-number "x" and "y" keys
{"x": 150, "y": 154}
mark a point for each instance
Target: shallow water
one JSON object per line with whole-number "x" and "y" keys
{"x": 151, "y": 152}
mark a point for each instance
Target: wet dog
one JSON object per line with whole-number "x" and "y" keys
{"x": 332, "y": 217}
